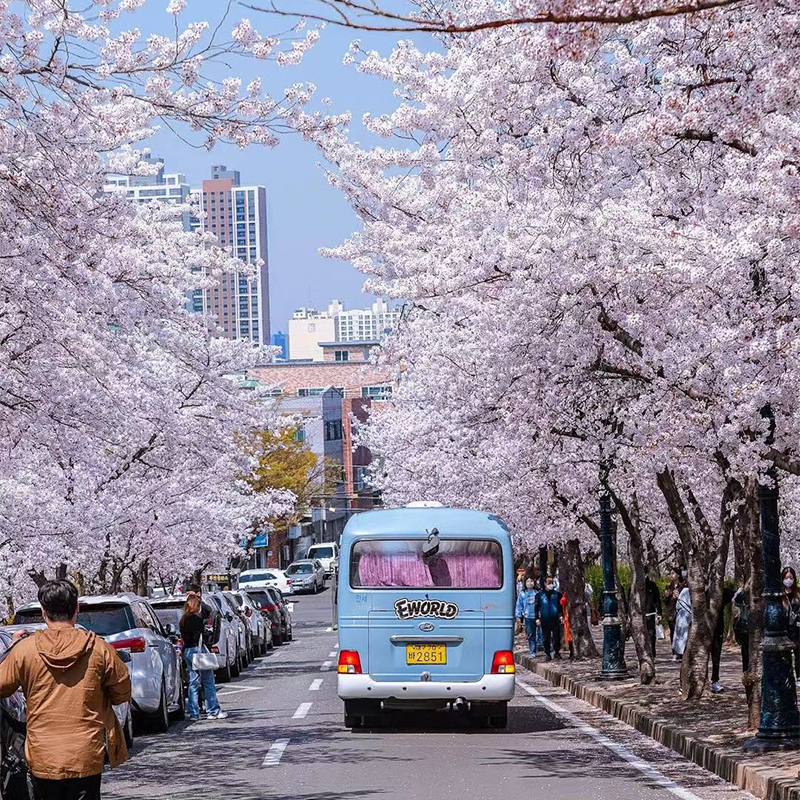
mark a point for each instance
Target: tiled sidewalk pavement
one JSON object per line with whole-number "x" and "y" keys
{"x": 710, "y": 732}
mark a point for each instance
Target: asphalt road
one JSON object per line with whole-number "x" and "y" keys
{"x": 285, "y": 740}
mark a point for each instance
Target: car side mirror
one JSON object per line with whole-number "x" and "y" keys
{"x": 169, "y": 629}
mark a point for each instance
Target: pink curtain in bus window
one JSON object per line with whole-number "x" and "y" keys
{"x": 393, "y": 569}
{"x": 474, "y": 570}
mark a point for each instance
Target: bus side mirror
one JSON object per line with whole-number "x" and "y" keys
{"x": 431, "y": 546}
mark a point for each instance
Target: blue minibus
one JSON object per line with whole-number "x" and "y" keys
{"x": 425, "y": 614}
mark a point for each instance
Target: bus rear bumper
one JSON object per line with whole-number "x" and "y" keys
{"x": 489, "y": 688}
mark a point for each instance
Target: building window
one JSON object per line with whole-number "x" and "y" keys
{"x": 376, "y": 392}
{"x": 308, "y": 391}
{"x": 312, "y": 327}
{"x": 341, "y": 355}
{"x": 300, "y": 435}
{"x": 333, "y": 430}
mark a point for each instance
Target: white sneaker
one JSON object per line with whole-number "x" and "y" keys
{"x": 218, "y": 715}
{"x": 717, "y": 687}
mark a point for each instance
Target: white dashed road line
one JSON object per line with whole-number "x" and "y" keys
{"x": 332, "y": 655}
{"x": 275, "y": 753}
{"x": 326, "y": 666}
{"x": 315, "y": 684}
{"x": 302, "y": 710}
{"x": 626, "y": 755}
{"x": 328, "y": 630}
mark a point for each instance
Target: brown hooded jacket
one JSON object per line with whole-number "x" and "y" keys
{"x": 71, "y": 678}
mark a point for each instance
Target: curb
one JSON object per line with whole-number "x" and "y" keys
{"x": 768, "y": 783}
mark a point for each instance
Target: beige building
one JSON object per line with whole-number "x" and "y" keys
{"x": 308, "y": 328}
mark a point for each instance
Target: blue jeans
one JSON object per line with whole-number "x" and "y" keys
{"x": 533, "y": 633}
{"x": 205, "y": 676}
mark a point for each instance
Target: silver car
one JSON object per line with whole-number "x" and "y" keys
{"x": 235, "y": 629}
{"x": 129, "y": 624}
{"x": 122, "y": 711}
{"x": 260, "y": 632}
{"x": 307, "y": 575}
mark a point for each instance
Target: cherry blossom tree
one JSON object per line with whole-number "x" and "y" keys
{"x": 600, "y": 225}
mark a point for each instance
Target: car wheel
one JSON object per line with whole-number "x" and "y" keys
{"x": 314, "y": 588}
{"x": 161, "y": 717}
{"x": 128, "y": 730}
{"x": 179, "y": 714}
{"x": 270, "y": 643}
{"x": 223, "y": 675}
{"x": 235, "y": 667}
{"x": 289, "y": 634}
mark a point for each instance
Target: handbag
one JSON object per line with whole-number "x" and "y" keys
{"x": 204, "y": 660}
{"x": 660, "y": 631}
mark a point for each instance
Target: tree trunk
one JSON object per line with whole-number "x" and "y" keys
{"x": 636, "y": 551}
{"x": 748, "y": 540}
{"x": 573, "y": 584}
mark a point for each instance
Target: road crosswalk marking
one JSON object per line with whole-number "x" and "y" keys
{"x": 315, "y": 684}
{"x": 302, "y": 711}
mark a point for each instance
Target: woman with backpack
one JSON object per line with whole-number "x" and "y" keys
{"x": 191, "y": 626}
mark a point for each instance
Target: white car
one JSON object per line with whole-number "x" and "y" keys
{"x": 327, "y": 553}
{"x": 265, "y": 578}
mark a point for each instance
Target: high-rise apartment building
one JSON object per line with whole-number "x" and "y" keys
{"x": 367, "y": 324}
{"x": 165, "y": 187}
{"x": 237, "y": 216}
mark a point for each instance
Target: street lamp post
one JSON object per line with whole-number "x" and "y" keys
{"x": 614, "y": 667}
{"x": 542, "y": 566}
{"x": 779, "y": 726}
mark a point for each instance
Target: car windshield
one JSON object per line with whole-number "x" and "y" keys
{"x": 169, "y": 614}
{"x": 28, "y": 615}
{"x": 260, "y": 598}
{"x": 321, "y": 552}
{"x": 106, "y": 620}
{"x": 458, "y": 563}
{"x": 256, "y": 576}
{"x": 299, "y": 569}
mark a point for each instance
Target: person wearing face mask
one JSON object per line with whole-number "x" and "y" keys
{"x": 791, "y": 602}
{"x": 549, "y": 619}
{"x": 526, "y": 612}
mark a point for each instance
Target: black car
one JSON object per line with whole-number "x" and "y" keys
{"x": 13, "y": 769}
{"x": 273, "y": 605}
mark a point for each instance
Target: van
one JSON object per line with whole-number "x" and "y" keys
{"x": 327, "y": 553}
{"x": 426, "y": 614}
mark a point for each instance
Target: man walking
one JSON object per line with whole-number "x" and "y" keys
{"x": 548, "y": 617}
{"x": 70, "y": 678}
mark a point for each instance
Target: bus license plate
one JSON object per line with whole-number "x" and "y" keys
{"x": 426, "y": 654}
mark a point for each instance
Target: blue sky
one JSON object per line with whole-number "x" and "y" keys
{"x": 305, "y": 213}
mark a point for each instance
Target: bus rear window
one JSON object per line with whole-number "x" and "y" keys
{"x": 399, "y": 563}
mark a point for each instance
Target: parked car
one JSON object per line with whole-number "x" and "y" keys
{"x": 307, "y": 575}
{"x": 327, "y": 553}
{"x": 122, "y": 711}
{"x": 260, "y": 630}
{"x": 275, "y": 608}
{"x": 224, "y": 635}
{"x": 129, "y": 624}
{"x": 261, "y": 578}
{"x": 232, "y": 617}
{"x": 13, "y": 772}
{"x": 169, "y": 611}
{"x": 248, "y": 647}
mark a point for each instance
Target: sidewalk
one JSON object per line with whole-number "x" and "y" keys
{"x": 710, "y": 733}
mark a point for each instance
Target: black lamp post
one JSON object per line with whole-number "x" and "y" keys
{"x": 542, "y": 566}
{"x": 613, "y": 654}
{"x": 779, "y": 726}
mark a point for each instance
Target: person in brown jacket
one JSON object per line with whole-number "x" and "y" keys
{"x": 71, "y": 679}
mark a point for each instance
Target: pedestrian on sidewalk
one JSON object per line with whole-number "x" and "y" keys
{"x": 192, "y": 627}
{"x": 652, "y": 610}
{"x": 526, "y": 612}
{"x": 567, "y": 626}
{"x": 683, "y": 621}
{"x": 71, "y": 680}
{"x": 671, "y": 597}
{"x": 716, "y": 640}
{"x": 791, "y": 602}
{"x": 549, "y": 619}
{"x": 741, "y": 625}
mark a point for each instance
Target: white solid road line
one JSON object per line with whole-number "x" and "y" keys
{"x": 326, "y": 666}
{"x": 315, "y": 684}
{"x": 637, "y": 763}
{"x": 275, "y": 753}
{"x": 302, "y": 710}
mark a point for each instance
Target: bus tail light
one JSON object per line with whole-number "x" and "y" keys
{"x": 349, "y": 663}
{"x": 503, "y": 663}
{"x": 135, "y": 645}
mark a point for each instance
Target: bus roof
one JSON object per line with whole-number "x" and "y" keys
{"x": 418, "y": 521}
